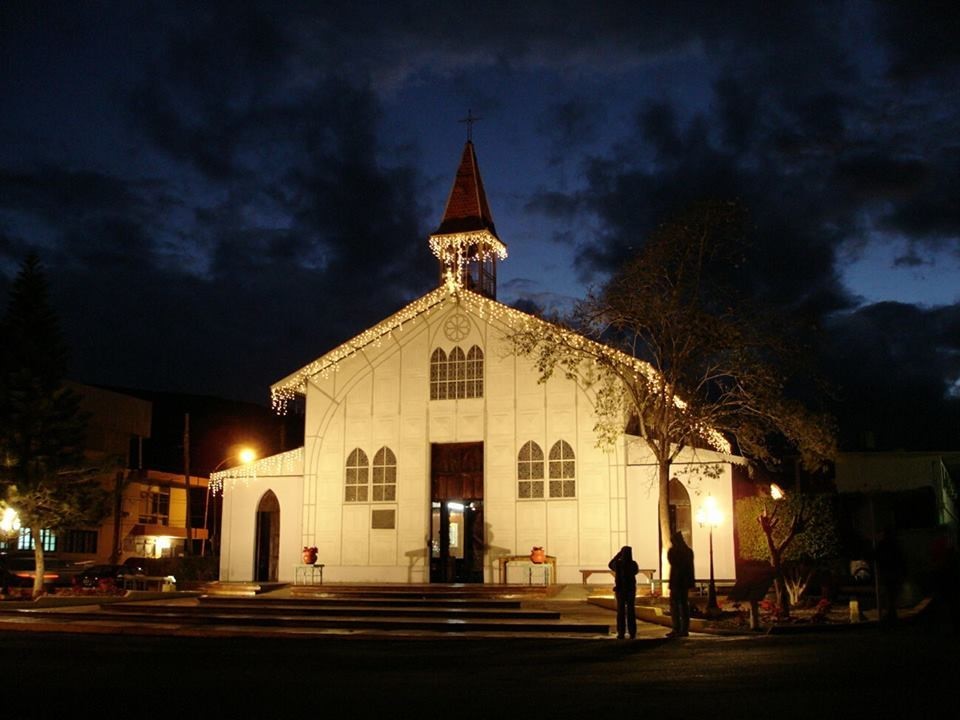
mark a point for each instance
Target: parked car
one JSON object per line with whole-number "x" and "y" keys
{"x": 105, "y": 576}
{"x": 138, "y": 565}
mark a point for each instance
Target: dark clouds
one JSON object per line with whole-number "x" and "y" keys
{"x": 229, "y": 257}
{"x": 223, "y": 192}
{"x": 922, "y": 38}
{"x": 801, "y": 129}
{"x": 897, "y": 367}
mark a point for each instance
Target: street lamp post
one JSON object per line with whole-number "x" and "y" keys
{"x": 709, "y": 514}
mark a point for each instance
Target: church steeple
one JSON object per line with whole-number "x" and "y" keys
{"x": 466, "y": 242}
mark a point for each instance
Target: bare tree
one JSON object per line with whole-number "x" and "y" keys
{"x": 795, "y": 534}
{"x": 668, "y": 348}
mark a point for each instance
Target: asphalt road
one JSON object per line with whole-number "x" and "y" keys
{"x": 907, "y": 672}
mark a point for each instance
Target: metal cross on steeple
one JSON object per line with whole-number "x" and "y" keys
{"x": 470, "y": 119}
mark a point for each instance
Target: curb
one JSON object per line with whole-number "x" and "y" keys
{"x": 656, "y": 616}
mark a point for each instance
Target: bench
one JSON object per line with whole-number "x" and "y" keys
{"x": 307, "y": 574}
{"x": 549, "y": 560}
{"x": 587, "y": 572}
{"x": 149, "y": 582}
{"x": 723, "y": 586}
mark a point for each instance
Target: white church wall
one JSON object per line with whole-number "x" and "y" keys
{"x": 355, "y": 534}
{"x": 500, "y": 534}
{"x": 690, "y": 468}
{"x": 642, "y": 523}
{"x": 372, "y": 392}
{"x": 563, "y": 537}
{"x": 238, "y": 529}
{"x": 531, "y": 526}
{"x": 380, "y": 397}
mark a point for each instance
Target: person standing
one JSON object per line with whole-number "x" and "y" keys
{"x": 625, "y": 571}
{"x": 680, "y": 557}
{"x": 890, "y": 574}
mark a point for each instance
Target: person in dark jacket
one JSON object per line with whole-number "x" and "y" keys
{"x": 889, "y": 573}
{"x": 625, "y": 571}
{"x": 680, "y": 557}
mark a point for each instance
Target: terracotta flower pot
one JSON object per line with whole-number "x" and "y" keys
{"x": 309, "y": 556}
{"x": 537, "y": 555}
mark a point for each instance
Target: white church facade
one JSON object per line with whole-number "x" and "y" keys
{"x": 432, "y": 451}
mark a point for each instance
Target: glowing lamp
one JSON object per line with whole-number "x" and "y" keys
{"x": 711, "y": 516}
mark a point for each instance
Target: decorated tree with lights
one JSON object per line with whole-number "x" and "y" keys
{"x": 42, "y": 474}
{"x": 795, "y": 534}
{"x": 669, "y": 351}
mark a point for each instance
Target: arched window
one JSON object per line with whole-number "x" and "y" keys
{"x": 474, "y": 373}
{"x": 530, "y": 471}
{"x": 563, "y": 470}
{"x": 681, "y": 517}
{"x": 457, "y": 375}
{"x": 438, "y": 375}
{"x": 384, "y": 475}
{"x": 357, "y": 477}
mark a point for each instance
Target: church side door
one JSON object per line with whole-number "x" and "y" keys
{"x": 267, "y": 539}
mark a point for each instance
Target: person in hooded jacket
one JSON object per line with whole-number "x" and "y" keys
{"x": 680, "y": 557}
{"x": 625, "y": 571}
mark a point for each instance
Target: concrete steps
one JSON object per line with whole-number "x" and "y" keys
{"x": 271, "y": 610}
{"x": 423, "y": 609}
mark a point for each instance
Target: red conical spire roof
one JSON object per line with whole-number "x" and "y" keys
{"x": 467, "y": 209}
{"x": 466, "y": 242}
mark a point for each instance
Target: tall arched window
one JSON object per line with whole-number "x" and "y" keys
{"x": 562, "y": 470}
{"x": 474, "y": 373}
{"x": 384, "y": 475}
{"x": 357, "y": 477}
{"x": 456, "y": 375}
{"x": 438, "y": 375}
{"x": 530, "y": 471}
{"x": 681, "y": 516}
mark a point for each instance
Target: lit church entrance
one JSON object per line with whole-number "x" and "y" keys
{"x": 267, "y": 560}
{"x": 456, "y": 525}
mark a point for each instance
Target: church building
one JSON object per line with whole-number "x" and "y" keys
{"x": 432, "y": 453}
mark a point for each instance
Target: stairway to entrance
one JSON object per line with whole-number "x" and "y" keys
{"x": 432, "y": 609}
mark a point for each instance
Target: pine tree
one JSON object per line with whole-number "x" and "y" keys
{"x": 42, "y": 474}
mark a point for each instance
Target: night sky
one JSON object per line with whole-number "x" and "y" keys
{"x": 221, "y": 193}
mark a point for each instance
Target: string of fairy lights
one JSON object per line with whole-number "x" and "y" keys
{"x": 285, "y": 463}
{"x": 453, "y": 291}
{"x": 455, "y": 250}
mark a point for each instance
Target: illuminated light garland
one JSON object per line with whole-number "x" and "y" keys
{"x": 452, "y": 248}
{"x": 286, "y": 463}
{"x": 295, "y": 384}
{"x": 455, "y": 250}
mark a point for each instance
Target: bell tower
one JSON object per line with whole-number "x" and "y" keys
{"x": 466, "y": 243}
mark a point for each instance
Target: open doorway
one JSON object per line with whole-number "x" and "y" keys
{"x": 267, "y": 548}
{"x": 681, "y": 517}
{"x": 456, "y": 512}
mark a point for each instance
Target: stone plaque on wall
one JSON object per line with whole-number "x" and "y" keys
{"x": 383, "y": 519}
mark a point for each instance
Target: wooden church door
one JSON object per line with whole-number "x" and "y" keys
{"x": 456, "y": 526}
